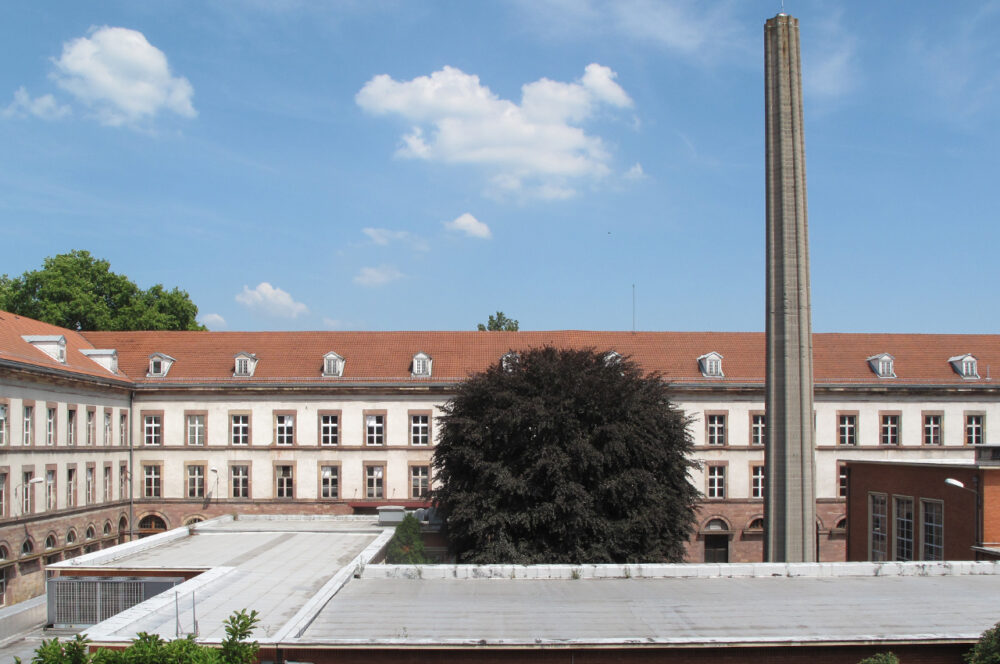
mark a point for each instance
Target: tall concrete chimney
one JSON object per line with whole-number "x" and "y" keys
{"x": 790, "y": 499}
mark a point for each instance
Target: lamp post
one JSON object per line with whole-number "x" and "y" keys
{"x": 27, "y": 487}
{"x": 951, "y": 481}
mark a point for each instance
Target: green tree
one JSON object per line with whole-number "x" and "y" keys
{"x": 881, "y": 658}
{"x": 80, "y": 292}
{"x": 987, "y": 649}
{"x": 499, "y": 323}
{"x": 407, "y": 544}
{"x": 564, "y": 456}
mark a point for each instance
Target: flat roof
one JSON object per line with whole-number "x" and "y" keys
{"x": 313, "y": 581}
{"x": 279, "y": 566}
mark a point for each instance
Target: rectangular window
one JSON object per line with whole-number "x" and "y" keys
{"x": 878, "y": 520}
{"x": 90, "y": 485}
{"x": 196, "y": 429}
{"x": 329, "y": 429}
{"x": 27, "y": 493}
{"x": 757, "y": 482}
{"x": 284, "y": 429}
{"x": 420, "y": 483}
{"x": 28, "y": 431}
{"x": 716, "y": 433}
{"x": 374, "y": 481}
{"x": 3, "y": 424}
{"x": 122, "y": 482}
{"x": 50, "y": 427}
{"x": 420, "y": 430}
{"x": 152, "y": 429}
{"x": 50, "y": 490}
{"x": 974, "y": 429}
{"x": 932, "y": 429}
{"x": 71, "y": 487}
{"x": 374, "y": 429}
{"x": 758, "y": 429}
{"x": 108, "y": 495}
{"x": 716, "y": 482}
{"x": 842, "y": 480}
{"x": 329, "y": 481}
{"x": 107, "y": 429}
{"x": 889, "y": 429}
{"x": 151, "y": 479}
{"x": 71, "y": 427}
{"x": 239, "y": 479}
{"x": 3, "y": 495}
{"x": 933, "y": 529}
{"x": 196, "y": 481}
{"x": 903, "y": 508}
{"x": 90, "y": 427}
{"x": 285, "y": 482}
{"x": 240, "y": 429}
{"x": 847, "y": 429}
{"x": 123, "y": 430}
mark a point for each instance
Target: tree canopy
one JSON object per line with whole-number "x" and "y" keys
{"x": 80, "y": 292}
{"x": 564, "y": 456}
{"x": 499, "y": 323}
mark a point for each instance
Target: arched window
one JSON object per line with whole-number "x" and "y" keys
{"x": 71, "y": 537}
{"x": 150, "y": 525}
{"x": 191, "y": 520}
{"x": 756, "y": 524}
{"x": 107, "y": 528}
{"x": 841, "y": 523}
{"x": 4, "y": 553}
{"x": 716, "y": 524}
{"x": 91, "y": 532}
{"x": 50, "y": 542}
{"x": 27, "y": 548}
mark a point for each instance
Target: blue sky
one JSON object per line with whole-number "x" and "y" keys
{"x": 419, "y": 165}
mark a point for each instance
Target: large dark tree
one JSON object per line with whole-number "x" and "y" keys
{"x": 80, "y": 292}
{"x": 564, "y": 456}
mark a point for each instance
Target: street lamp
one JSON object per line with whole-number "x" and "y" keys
{"x": 24, "y": 494}
{"x": 979, "y": 502}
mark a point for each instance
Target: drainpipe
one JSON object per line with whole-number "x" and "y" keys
{"x": 131, "y": 468}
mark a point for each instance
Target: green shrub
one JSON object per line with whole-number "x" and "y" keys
{"x": 407, "y": 546}
{"x": 987, "y": 649}
{"x": 881, "y": 658}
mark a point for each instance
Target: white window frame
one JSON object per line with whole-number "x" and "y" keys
{"x": 716, "y": 482}
{"x": 715, "y": 433}
{"x": 375, "y": 430}
{"x": 330, "y": 482}
{"x": 375, "y": 481}
{"x": 284, "y": 483}
{"x": 847, "y": 430}
{"x": 933, "y": 430}
{"x": 196, "y": 429}
{"x": 50, "y": 427}
{"x": 329, "y": 430}
{"x": 152, "y": 481}
{"x": 975, "y": 425}
{"x": 758, "y": 429}
{"x": 889, "y": 429}
{"x": 71, "y": 496}
{"x": 71, "y": 427}
{"x": 51, "y": 500}
{"x": 27, "y": 430}
{"x": 931, "y": 532}
{"x": 91, "y": 428}
{"x": 239, "y": 480}
{"x": 152, "y": 426}
{"x": 107, "y": 428}
{"x": 239, "y": 426}
{"x": 3, "y": 424}
{"x": 89, "y": 493}
{"x": 284, "y": 430}
{"x": 420, "y": 430}
{"x": 195, "y": 481}
{"x": 757, "y": 482}
{"x": 420, "y": 482}
{"x": 903, "y": 524}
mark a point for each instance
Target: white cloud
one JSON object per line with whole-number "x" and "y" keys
{"x": 45, "y": 107}
{"x": 377, "y": 276}
{"x": 527, "y": 148}
{"x": 212, "y": 321}
{"x": 830, "y": 68}
{"x": 332, "y": 323}
{"x": 271, "y": 301}
{"x": 469, "y": 225}
{"x": 122, "y": 77}
{"x": 383, "y": 236}
{"x": 635, "y": 173}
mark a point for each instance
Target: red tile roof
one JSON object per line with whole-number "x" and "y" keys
{"x": 14, "y": 348}
{"x": 385, "y": 357}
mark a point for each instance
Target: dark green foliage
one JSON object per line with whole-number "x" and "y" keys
{"x": 987, "y": 649}
{"x": 80, "y": 292}
{"x": 407, "y": 545}
{"x": 499, "y": 323}
{"x": 881, "y": 658}
{"x": 564, "y": 456}
{"x": 151, "y": 649}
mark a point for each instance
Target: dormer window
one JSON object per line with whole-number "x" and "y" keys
{"x": 509, "y": 361}
{"x": 965, "y": 366}
{"x": 159, "y": 365}
{"x": 883, "y": 365}
{"x": 422, "y": 365}
{"x": 612, "y": 358}
{"x": 245, "y": 365}
{"x": 53, "y": 345}
{"x": 711, "y": 365}
{"x": 333, "y": 365}
{"x": 106, "y": 357}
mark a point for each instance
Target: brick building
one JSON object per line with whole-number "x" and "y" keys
{"x": 925, "y": 511}
{"x": 107, "y": 433}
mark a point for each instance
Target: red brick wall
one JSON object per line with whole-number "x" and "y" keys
{"x": 991, "y": 505}
{"x": 918, "y": 482}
